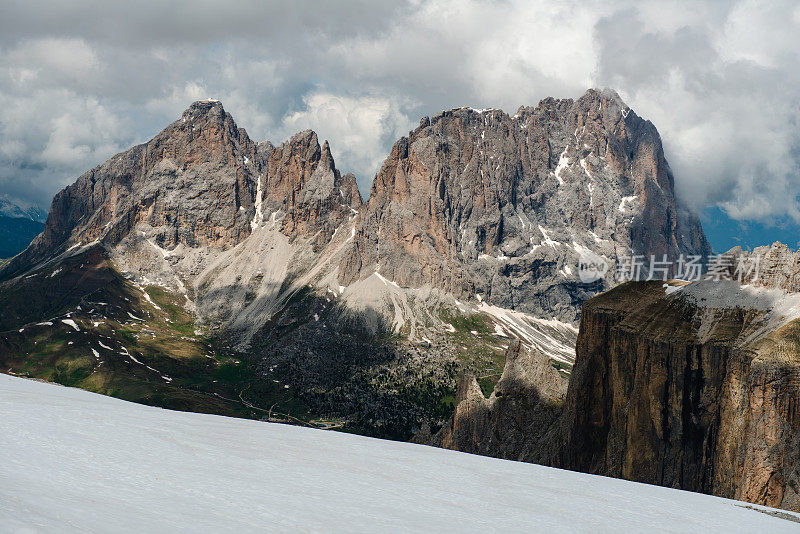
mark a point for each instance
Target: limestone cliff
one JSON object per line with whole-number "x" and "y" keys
{"x": 671, "y": 391}
{"x": 693, "y": 386}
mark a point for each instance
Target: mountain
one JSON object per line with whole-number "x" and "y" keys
{"x": 15, "y": 210}
{"x": 686, "y": 385}
{"x": 211, "y": 272}
{"x": 87, "y": 463}
{"x": 16, "y": 233}
{"x": 18, "y": 226}
{"x": 482, "y": 203}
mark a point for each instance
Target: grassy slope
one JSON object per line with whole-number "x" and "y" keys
{"x": 118, "y": 325}
{"x": 478, "y": 348}
{"x": 124, "y": 325}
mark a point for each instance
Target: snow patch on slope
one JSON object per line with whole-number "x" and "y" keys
{"x": 624, "y": 203}
{"x": 75, "y": 461}
{"x": 563, "y": 163}
{"x": 552, "y": 337}
{"x": 73, "y": 324}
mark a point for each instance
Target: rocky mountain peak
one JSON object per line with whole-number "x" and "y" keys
{"x": 300, "y": 182}
{"x": 196, "y": 184}
{"x": 773, "y": 266}
{"x": 481, "y": 203}
{"x": 205, "y": 133}
{"x": 204, "y": 108}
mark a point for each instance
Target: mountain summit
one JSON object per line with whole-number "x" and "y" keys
{"x": 478, "y": 202}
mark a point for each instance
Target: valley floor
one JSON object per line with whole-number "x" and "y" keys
{"x": 75, "y": 461}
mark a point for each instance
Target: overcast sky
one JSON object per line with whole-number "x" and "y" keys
{"x": 82, "y": 80}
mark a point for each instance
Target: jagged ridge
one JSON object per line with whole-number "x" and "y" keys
{"x": 480, "y": 202}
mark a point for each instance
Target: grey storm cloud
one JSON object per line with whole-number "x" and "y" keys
{"x": 82, "y": 80}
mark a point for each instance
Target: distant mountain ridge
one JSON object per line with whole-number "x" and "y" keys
{"x": 18, "y": 226}
{"x": 12, "y": 209}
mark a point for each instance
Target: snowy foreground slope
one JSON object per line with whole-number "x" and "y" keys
{"x": 73, "y": 461}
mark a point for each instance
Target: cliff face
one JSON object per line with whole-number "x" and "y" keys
{"x": 480, "y": 202}
{"x": 301, "y": 181}
{"x": 189, "y": 182}
{"x": 514, "y": 419}
{"x": 670, "y": 392}
{"x": 693, "y": 386}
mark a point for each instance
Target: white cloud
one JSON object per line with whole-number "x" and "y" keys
{"x": 74, "y": 57}
{"x": 83, "y": 131}
{"x": 722, "y": 88}
{"x": 358, "y": 128}
{"x": 175, "y": 101}
{"x": 721, "y": 81}
{"x": 50, "y": 136}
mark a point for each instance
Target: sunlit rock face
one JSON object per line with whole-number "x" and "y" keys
{"x": 478, "y": 202}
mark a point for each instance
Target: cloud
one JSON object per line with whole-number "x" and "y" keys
{"x": 721, "y": 84}
{"x": 362, "y": 127}
{"x": 720, "y": 80}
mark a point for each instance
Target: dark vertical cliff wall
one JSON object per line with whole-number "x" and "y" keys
{"x": 659, "y": 397}
{"x": 669, "y": 390}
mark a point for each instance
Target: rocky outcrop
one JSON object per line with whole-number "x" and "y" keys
{"x": 509, "y": 424}
{"x": 301, "y": 181}
{"x": 669, "y": 391}
{"x": 772, "y": 267}
{"x": 480, "y": 202}
{"x": 693, "y": 386}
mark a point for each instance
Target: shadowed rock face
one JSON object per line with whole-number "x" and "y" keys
{"x": 689, "y": 386}
{"x": 481, "y": 202}
{"x": 511, "y": 422}
{"x": 668, "y": 392}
